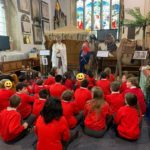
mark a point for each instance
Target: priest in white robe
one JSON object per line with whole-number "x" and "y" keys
{"x": 59, "y": 56}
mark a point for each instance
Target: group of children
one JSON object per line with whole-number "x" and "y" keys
{"x": 57, "y": 105}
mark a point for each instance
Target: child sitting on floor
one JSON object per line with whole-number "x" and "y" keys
{"x": 128, "y": 118}
{"x": 69, "y": 109}
{"x": 115, "y": 99}
{"x": 51, "y": 127}
{"x": 96, "y": 114}
{"x": 11, "y": 128}
{"x": 39, "y": 103}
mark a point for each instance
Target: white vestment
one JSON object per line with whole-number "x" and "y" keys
{"x": 59, "y": 52}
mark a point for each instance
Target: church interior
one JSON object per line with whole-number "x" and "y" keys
{"x": 74, "y": 74}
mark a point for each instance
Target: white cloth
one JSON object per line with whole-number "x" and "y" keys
{"x": 59, "y": 51}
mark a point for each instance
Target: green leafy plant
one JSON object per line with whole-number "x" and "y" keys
{"x": 139, "y": 21}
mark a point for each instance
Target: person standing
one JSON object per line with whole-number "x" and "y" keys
{"x": 59, "y": 56}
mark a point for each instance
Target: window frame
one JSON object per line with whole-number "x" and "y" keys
{"x": 5, "y": 17}
{"x": 101, "y": 20}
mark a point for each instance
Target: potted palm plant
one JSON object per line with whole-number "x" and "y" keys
{"x": 139, "y": 21}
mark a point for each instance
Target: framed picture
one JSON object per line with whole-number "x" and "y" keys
{"x": 140, "y": 55}
{"x": 26, "y": 27}
{"x": 35, "y": 10}
{"x": 45, "y": 10}
{"x": 46, "y": 26}
{"x": 37, "y": 34}
{"x": 24, "y": 6}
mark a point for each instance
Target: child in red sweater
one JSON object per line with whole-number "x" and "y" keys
{"x": 51, "y": 77}
{"x": 115, "y": 99}
{"x": 96, "y": 112}
{"x": 69, "y": 109}
{"x": 51, "y": 127}
{"x": 128, "y": 118}
{"x": 67, "y": 81}
{"x": 25, "y": 108}
{"x": 82, "y": 95}
{"x": 91, "y": 80}
{"x": 38, "y": 86}
{"x": 57, "y": 89}
{"x": 104, "y": 84}
{"x": 39, "y": 103}
{"x": 110, "y": 76}
{"x": 133, "y": 87}
{"x": 5, "y": 93}
{"x": 11, "y": 128}
{"x": 123, "y": 86}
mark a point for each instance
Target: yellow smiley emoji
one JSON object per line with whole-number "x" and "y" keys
{"x": 8, "y": 84}
{"x": 80, "y": 76}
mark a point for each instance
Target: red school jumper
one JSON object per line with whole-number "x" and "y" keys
{"x": 123, "y": 87}
{"x": 93, "y": 120}
{"x": 111, "y": 78}
{"x": 57, "y": 89}
{"x": 68, "y": 112}
{"x": 128, "y": 122}
{"x": 25, "y": 107}
{"x": 4, "y": 98}
{"x": 38, "y": 106}
{"x": 82, "y": 95}
{"x": 49, "y": 81}
{"x": 115, "y": 101}
{"x": 91, "y": 81}
{"x": 140, "y": 96}
{"x": 10, "y": 124}
{"x": 69, "y": 84}
{"x": 104, "y": 84}
{"x": 52, "y": 134}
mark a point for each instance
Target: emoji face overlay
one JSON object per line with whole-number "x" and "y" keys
{"x": 8, "y": 84}
{"x": 80, "y": 76}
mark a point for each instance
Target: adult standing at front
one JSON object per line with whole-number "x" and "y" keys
{"x": 59, "y": 56}
{"x": 84, "y": 57}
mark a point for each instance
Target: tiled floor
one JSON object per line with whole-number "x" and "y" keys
{"x": 83, "y": 142}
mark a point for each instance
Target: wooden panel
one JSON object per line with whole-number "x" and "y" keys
{"x": 73, "y": 50}
{"x": 19, "y": 65}
{"x": 6, "y": 67}
{"x": 12, "y": 66}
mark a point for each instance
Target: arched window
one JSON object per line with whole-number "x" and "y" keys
{"x": 97, "y": 14}
{"x": 3, "y": 30}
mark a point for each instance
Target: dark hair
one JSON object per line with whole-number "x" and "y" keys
{"x": 22, "y": 78}
{"x": 58, "y": 78}
{"x": 67, "y": 95}
{"x": 115, "y": 86}
{"x": 131, "y": 100}
{"x": 20, "y": 86}
{"x": 103, "y": 75}
{"x": 84, "y": 83}
{"x": 134, "y": 81}
{"x": 53, "y": 71}
{"x": 39, "y": 82}
{"x": 90, "y": 74}
{"x": 14, "y": 101}
{"x": 44, "y": 93}
{"x": 52, "y": 110}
